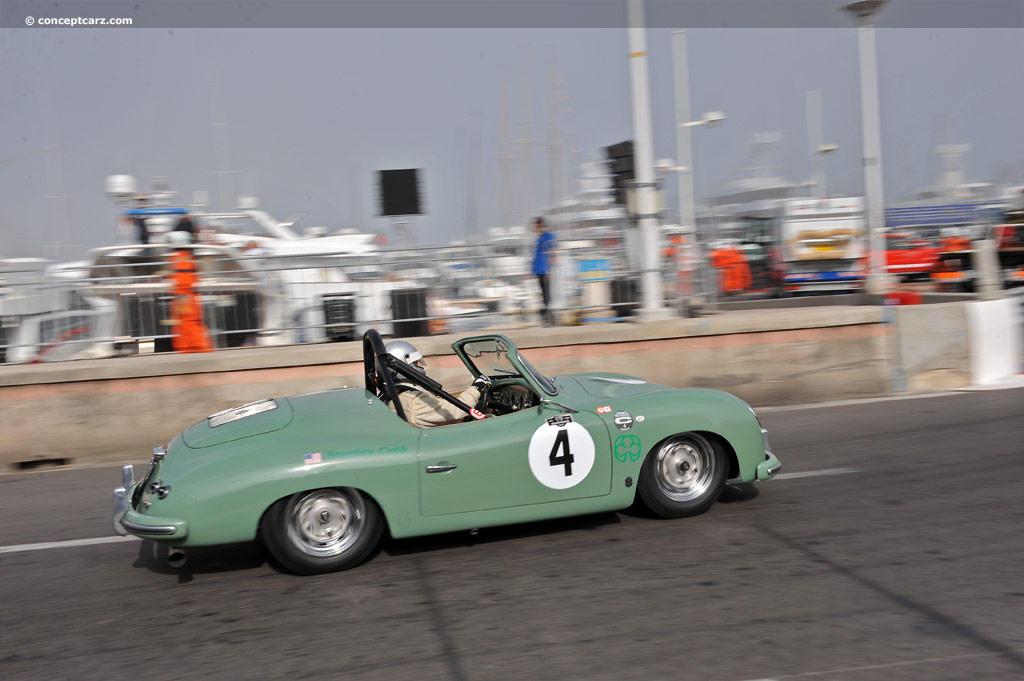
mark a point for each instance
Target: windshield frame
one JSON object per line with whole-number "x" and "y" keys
{"x": 540, "y": 383}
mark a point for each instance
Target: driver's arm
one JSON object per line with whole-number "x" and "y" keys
{"x": 424, "y": 410}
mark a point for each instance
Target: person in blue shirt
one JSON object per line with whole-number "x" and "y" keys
{"x": 542, "y": 265}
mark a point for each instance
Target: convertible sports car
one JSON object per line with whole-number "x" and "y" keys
{"x": 321, "y": 476}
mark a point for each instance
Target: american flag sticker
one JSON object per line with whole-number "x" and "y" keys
{"x": 313, "y": 458}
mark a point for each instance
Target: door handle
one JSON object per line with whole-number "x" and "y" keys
{"x": 442, "y": 469}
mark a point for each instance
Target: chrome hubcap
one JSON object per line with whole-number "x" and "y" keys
{"x": 327, "y": 522}
{"x": 685, "y": 469}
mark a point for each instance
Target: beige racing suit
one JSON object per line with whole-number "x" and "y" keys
{"x": 423, "y": 409}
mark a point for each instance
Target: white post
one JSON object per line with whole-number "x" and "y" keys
{"x": 865, "y": 11}
{"x": 643, "y": 163}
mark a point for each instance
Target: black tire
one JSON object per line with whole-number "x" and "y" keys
{"x": 683, "y": 476}
{"x": 323, "y": 530}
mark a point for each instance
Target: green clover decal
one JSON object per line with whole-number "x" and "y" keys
{"x": 627, "y": 445}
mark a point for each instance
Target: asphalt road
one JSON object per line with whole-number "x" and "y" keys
{"x": 908, "y": 567}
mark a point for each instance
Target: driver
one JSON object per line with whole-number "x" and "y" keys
{"x": 422, "y": 408}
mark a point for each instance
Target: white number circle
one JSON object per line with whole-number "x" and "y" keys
{"x": 561, "y": 456}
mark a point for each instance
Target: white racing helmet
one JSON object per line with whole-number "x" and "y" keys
{"x": 408, "y": 353}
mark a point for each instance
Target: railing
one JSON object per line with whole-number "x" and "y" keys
{"x": 120, "y": 304}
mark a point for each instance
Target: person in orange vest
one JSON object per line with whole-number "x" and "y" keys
{"x": 729, "y": 269}
{"x": 186, "y": 312}
{"x": 718, "y": 261}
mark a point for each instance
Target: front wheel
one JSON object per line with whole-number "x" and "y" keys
{"x": 323, "y": 530}
{"x": 683, "y": 476}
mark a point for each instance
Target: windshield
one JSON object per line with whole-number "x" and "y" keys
{"x": 491, "y": 357}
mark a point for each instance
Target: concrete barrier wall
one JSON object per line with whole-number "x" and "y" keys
{"x": 93, "y": 411}
{"x": 931, "y": 348}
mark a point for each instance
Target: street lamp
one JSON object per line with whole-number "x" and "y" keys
{"x": 711, "y": 119}
{"x": 820, "y": 182}
{"x": 865, "y": 12}
{"x": 667, "y": 165}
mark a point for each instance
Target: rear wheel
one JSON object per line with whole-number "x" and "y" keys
{"x": 683, "y": 476}
{"x": 323, "y": 530}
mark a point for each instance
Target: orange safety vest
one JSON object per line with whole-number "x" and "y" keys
{"x": 186, "y": 312}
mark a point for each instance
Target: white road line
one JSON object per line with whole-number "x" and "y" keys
{"x": 65, "y": 544}
{"x": 927, "y": 660}
{"x": 812, "y": 474}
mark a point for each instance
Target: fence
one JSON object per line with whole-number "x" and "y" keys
{"x": 119, "y": 303}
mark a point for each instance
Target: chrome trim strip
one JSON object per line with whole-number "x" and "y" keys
{"x": 148, "y": 529}
{"x": 236, "y": 413}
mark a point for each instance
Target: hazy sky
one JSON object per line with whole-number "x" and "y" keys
{"x": 306, "y": 110}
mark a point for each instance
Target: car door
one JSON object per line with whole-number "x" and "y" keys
{"x": 534, "y": 456}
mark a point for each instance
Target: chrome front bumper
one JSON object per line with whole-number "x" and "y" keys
{"x": 771, "y": 464}
{"x": 127, "y": 521}
{"x": 121, "y": 498}
{"x": 769, "y": 467}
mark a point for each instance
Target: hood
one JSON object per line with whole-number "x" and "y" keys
{"x": 605, "y": 385}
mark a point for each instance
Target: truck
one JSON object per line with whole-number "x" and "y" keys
{"x": 955, "y": 267}
{"x": 909, "y": 258}
{"x": 824, "y": 243}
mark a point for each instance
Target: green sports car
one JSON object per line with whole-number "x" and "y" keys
{"x": 322, "y": 476}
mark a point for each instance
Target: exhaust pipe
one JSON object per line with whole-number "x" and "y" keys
{"x": 176, "y": 557}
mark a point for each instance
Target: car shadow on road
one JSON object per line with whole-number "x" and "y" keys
{"x": 439, "y": 542}
{"x": 735, "y": 492}
{"x": 252, "y": 555}
{"x": 732, "y": 492}
{"x": 203, "y": 560}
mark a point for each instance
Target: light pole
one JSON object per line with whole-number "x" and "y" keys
{"x": 643, "y": 162}
{"x": 688, "y": 206}
{"x": 865, "y": 12}
{"x": 684, "y": 153}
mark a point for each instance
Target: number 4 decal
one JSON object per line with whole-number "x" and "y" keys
{"x": 566, "y": 458}
{"x": 561, "y": 456}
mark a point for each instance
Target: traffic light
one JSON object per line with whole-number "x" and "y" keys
{"x": 620, "y": 163}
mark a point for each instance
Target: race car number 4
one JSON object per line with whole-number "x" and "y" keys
{"x": 561, "y": 456}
